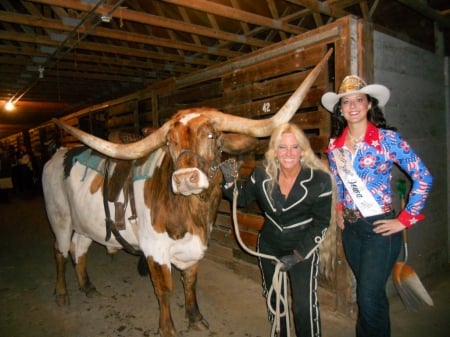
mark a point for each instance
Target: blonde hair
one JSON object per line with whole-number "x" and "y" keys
{"x": 309, "y": 159}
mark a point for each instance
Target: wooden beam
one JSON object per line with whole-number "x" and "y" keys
{"x": 153, "y": 20}
{"x": 104, "y": 60}
{"x": 236, "y": 14}
{"x": 266, "y": 53}
{"x": 103, "y": 48}
{"x": 321, "y": 7}
{"x": 427, "y": 11}
{"x": 23, "y": 19}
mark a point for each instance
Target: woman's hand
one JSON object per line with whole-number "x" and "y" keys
{"x": 387, "y": 227}
{"x": 230, "y": 170}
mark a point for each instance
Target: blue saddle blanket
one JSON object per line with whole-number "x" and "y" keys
{"x": 93, "y": 160}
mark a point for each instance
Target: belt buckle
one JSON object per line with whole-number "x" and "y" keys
{"x": 349, "y": 215}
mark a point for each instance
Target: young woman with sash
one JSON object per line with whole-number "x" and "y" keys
{"x": 361, "y": 154}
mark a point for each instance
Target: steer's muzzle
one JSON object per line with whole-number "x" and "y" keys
{"x": 188, "y": 181}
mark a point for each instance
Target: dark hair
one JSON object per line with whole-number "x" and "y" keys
{"x": 375, "y": 115}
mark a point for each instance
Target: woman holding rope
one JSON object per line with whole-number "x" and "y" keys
{"x": 361, "y": 153}
{"x": 295, "y": 192}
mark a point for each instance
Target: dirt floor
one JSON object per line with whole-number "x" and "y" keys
{"x": 232, "y": 304}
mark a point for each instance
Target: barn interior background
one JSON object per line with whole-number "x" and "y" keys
{"x": 125, "y": 65}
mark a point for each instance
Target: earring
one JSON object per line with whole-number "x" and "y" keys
{"x": 341, "y": 113}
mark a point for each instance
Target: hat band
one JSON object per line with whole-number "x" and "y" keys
{"x": 351, "y": 84}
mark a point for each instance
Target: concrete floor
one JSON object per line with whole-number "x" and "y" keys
{"x": 231, "y": 301}
{"x": 426, "y": 321}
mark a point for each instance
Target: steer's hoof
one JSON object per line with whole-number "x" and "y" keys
{"x": 167, "y": 333}
{"x": 62, "y": 300}
{"x": 200, "y": 325}
{"x": 91, "y": 292}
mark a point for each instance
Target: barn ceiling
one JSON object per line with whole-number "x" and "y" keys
{"x": 59, "y": 56}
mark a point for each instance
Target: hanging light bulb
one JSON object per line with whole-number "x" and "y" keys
{"x": 106, "y": 18}
{"x": 41, "y": 70}
{"x": 9, "y": 106}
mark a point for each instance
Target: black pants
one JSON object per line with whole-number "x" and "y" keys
{"x": 303, "y": 281}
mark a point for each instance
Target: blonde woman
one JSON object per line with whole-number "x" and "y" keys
{"x": 295, "y": 192}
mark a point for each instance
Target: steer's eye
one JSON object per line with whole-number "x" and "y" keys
{"x": 211, "y": 136}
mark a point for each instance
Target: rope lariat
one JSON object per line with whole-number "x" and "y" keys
{"x": 279, "y": 281}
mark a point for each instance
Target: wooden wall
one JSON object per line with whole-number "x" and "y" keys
{"x": 254, "y": 86}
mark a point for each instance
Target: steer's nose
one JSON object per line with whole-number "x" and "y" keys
{"x": 189, "y": 181}
{"x": 187, "y": 178}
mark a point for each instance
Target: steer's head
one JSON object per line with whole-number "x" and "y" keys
{"x": 195, "y": 148}
{"x": 196, "y": 137}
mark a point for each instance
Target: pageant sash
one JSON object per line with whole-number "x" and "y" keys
{"x": 363, "y": 199}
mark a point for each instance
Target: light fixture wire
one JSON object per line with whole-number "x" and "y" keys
{"x": 58, "y": 55}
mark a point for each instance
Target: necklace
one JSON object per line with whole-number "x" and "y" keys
{"x": 355, "y": 141}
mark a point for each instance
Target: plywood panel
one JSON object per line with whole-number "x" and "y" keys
{"x": 294, "y": 61}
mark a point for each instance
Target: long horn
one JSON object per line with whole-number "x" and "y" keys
{"x": 224, "y": 122}
{"x": 264, "y": 127}
{"x": 119, "y": 151}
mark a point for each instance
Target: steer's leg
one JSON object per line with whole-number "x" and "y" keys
{"x": 189, "y": 279}
{"x": 163, "y": 284}
{"x": 78, "y": 250}
{"x": 60, "y": 289}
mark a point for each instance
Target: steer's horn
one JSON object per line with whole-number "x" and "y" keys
{"x": 119, "y": 151}
{"x": 224, "y": 122}
{"x": 264, "y": 127}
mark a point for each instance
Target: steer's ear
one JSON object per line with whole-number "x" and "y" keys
{"x": 235, "y": 143}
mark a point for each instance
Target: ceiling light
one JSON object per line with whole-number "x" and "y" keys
{"x": 41, "y": 71}
{"x": 9, "y": 106}
{"x": 106, "y": 18}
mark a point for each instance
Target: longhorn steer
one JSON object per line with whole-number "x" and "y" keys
{"x": 176, "y": 207}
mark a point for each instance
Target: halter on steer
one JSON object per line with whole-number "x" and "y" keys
{"x": 212, "y": 165}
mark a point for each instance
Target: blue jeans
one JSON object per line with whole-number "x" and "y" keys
{"x": 371, "y": 258}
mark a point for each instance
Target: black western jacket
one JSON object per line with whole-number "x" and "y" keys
{"x": 296, "y": 222}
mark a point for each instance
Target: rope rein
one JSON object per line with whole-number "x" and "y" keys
{"x": 279, "y": 280}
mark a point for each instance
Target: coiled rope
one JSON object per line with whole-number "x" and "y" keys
{"x": 279, "y": 279}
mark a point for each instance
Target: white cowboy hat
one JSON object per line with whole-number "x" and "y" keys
{"x": 353, "y": 84}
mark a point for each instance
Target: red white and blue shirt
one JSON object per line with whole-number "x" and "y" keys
{"x": 373, "y": 161}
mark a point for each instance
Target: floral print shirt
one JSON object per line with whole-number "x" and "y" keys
{"x": 373, "y": 161}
